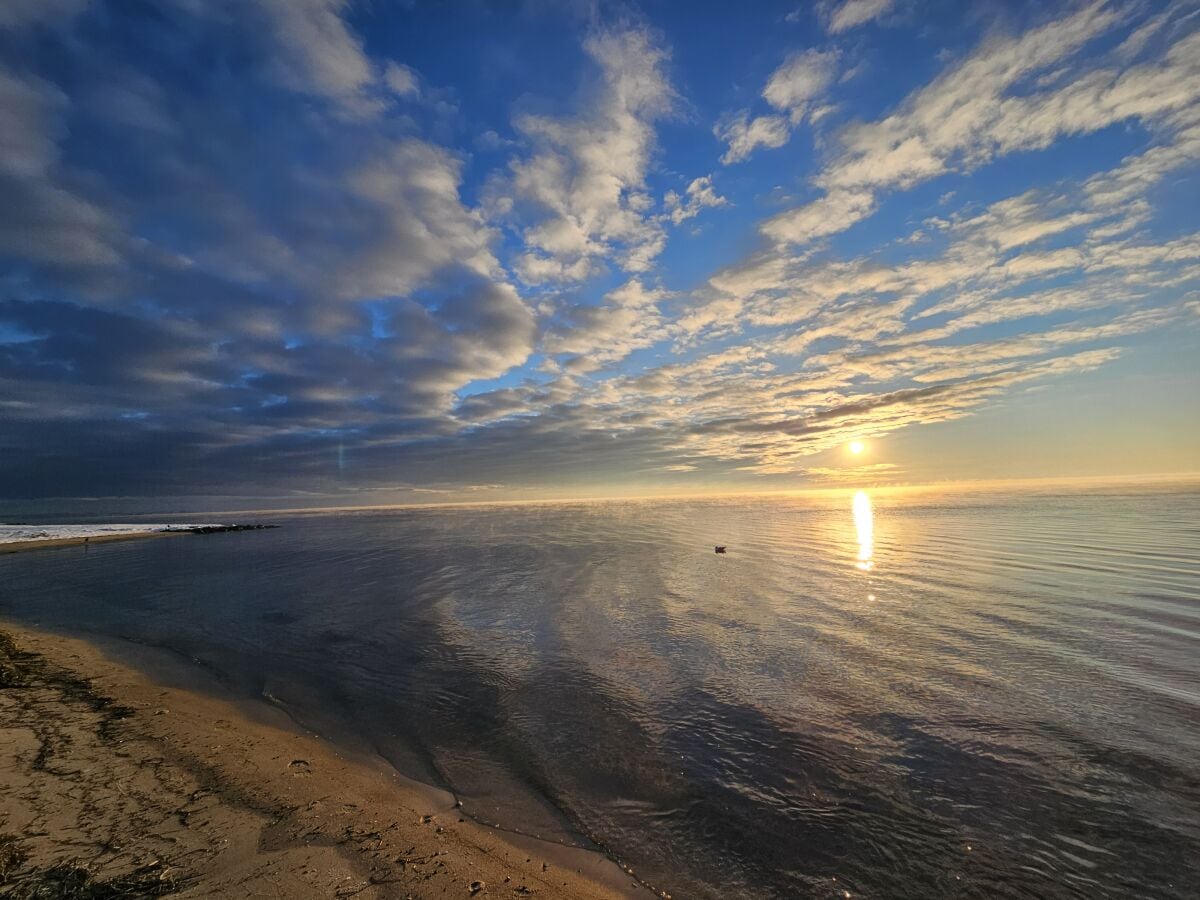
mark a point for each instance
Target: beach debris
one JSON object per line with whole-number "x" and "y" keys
{"x": 476, "y": 886}
{"x": 720, "y": 548}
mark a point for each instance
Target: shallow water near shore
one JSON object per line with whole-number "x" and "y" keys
{"x": 874, "y": 693}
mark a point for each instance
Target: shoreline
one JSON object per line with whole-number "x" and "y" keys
{"x": 112, "y": 774}
{"x": 25, "y": 546}
{"x": 102, "y": 538}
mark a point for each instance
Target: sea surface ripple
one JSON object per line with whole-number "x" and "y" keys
{"x": 870, "y": 695}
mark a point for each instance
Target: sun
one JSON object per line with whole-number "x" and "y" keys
{"x": 856, "y": 447}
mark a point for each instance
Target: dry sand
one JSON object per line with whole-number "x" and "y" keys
{"x": 111, "y": 781}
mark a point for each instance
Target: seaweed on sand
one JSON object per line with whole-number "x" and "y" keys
{"x": 19, "y": 668}
{"x": 68, "y": 880}
{"x": 12, "y": 671}
{"x": 75, "y": 882}
{"x": 11, "y": 856}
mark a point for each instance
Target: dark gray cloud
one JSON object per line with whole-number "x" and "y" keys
{"x": 209, "y": 279}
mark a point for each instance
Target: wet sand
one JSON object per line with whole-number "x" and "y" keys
{"x": 145, "y": 787}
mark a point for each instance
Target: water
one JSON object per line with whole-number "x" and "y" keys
{"x": 891, "y": 695}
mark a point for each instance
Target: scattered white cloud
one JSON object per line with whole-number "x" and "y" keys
{"x": 698, "y": 195}
{"x": 834, "y": 212}
{"x": 584, "y": 183}
{"x": 313, "y": 50}
{"x": 973, "y": 113}
{"x": 402, "y": 80}
{"x": 744, "y": 134}
{"x": 629, "y": 318}
{"x": 319, "y": 52}
{"x": 802, "y": 79}
{"x": 419, "y": 225}
{"x": 491, "y": 140}
{"x": 843, "y": 16}
{"x": 794, "y": 89}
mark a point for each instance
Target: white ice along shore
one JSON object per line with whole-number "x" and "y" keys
{"x": 12, "y": 533}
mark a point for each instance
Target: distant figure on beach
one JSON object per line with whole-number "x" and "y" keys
{"x": 720, "y": 549}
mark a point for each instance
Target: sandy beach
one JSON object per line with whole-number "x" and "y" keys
{"x": 47, "y": 543}
{"x": 114, "y": 781}
{"x": 22, "y": 538}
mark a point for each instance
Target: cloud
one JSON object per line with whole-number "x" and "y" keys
{"x": 973, "y": 113}
{"x": 270, "y": 304}
{"x": 414, "y": 224}
{"x": 629, "y": 318}
{"x": 402, "y": 80}
{"x": 1139, "y": 173}
{"x": 699, "y": 195}
{"x": 1013, "y": 245}
{"x": 852, "y": 474}
{"x": 30, "y": 124}
{"x": 319, "y": 52}
{"x": 42, "y": 218}
{"x": 307, "y": 46}
{"x": 834, "y": 212}
{"x": 275, "y": 275}
{"x": 839, "y": 17}
{"x": 801, "y": 80}
{"x": 744, "y": 135}
{"x": 96, "y": 365}
{"x": 15, "y": 14}
{"x": 583, "y": 185}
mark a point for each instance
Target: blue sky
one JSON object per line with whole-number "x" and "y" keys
{"x": 335, "y": 251}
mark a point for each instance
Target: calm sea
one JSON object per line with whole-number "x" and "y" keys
{"x": 890, "y": 695}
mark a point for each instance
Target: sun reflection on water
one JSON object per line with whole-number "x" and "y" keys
{"x": 864, "y": 523}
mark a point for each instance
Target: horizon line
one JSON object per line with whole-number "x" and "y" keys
{"x": 1078, "y": 481}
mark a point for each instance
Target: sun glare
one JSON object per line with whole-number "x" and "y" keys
{"x": 864, "y": 524}
{"x": 857, "y": 447}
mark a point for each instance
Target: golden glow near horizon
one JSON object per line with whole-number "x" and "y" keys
{"x": 856, "y": 447}
{"x": 864, "y": 523}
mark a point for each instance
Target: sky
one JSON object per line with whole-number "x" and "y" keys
{"x": 359, "y": 251}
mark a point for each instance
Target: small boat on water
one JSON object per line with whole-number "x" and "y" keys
{"x": 719, "y": 549}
